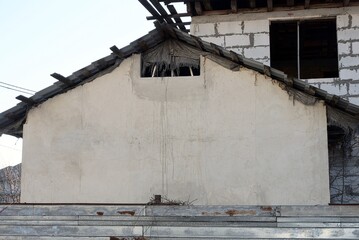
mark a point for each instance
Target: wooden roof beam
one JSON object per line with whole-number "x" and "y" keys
{"x": 61, "y": 78}
{"x": 198, "y": 7}
{"x": 207, "y": 5}
{"x": 306, "y": 4}
{"x": 252, "y": 3}
{"x": 117, "y": 52}
{"x": 151, "y": 9}
{"x": 177, "y": 15}
{"x": 178, "y": 20}
{"x": 25, "y": 100}
{"x": 346, "y": 2}
{"x": 269, "y": 5}
{"x": 167, "y": 2}
{"x": 234, "y": 6}
{"x": 161, "y": 10}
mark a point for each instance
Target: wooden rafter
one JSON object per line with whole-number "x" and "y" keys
{"x": 306, "y": 4}
{"x": 178, "y": 20}
{"x": 177, "y": 15}
{"x": 161, "y": 10}
{"x": 270, "y": 5}
{"x": 25, "y": 99}
{"x": 207, "y": 5}
{"x": 150, "y": 9}
{"x": 252, "y": 3}
{"x": 234, "y": 6}
{"x": 198, "y": 7}
{"x": 61, "y": 78}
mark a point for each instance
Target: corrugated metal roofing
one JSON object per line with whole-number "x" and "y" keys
{"x": 11, "y": 121}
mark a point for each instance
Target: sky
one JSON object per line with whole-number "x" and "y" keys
{"x": 40, "y": 37}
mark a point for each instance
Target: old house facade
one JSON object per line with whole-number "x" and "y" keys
{"x": 184, "y": 119}
{"x": 175, "y": 115}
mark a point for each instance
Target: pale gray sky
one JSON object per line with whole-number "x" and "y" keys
{"x": 40, "y": 37}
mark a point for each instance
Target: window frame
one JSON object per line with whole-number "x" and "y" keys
{"x": 298, "y": 21}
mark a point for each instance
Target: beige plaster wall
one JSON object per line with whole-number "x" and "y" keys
{"x": 221, "y": 138}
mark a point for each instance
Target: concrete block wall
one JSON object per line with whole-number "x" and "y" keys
{"x": 347, "y": 85}
{"x": 248, "y": 38}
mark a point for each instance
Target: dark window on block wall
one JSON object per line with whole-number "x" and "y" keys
{"x": 305, "y": 49}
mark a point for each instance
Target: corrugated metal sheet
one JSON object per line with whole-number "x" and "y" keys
{"x": 178, "y": 222}
{"x": 11, "y": 121}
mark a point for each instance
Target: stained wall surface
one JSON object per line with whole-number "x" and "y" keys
{"x": 248, "y": 34}
{"x": 224, "y": 137}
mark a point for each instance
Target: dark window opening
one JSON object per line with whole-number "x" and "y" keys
{"x": 155, "y": 70}
{"x": 171, "y": 58}
{"x": 220, "y": 5}
{"x": 305, "y": 49}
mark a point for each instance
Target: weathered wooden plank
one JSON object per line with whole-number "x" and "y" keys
{"x": 140, "y": 222}
{"x": 309, "y": 219}
{"x": 308, "y": 225}
{"x": 70, "y": 231}
{"x": 325, "y": 211}
{"x": 51, "y": 238}
{"x": 318, "y": 219}
{"x": 180, "y": 218}
{"x": 210, "y": 211}
{"x": 38, "y": 218}
{"x": 350, "y": 225}
{"x": 253, "y": 233}
{"x": 70, "y": 210}
{"x": 39, "y": 223}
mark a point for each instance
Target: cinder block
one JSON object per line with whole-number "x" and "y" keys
{"x": 348, "y": 34}
{"x": 265, "y": 61}
{"x": 344, "y": 48}
{"x": 354, "y": 100}
{"x": 349, "y": 62}
{"x": 354, "y": 89}
{"x": 337, "y": 89}
{"x": 355, "y": 47}
{"x": 355, "y": 20}
{"x": 314, "y": 84}
{"x": 238, "y": 50}
{"x": 313, "y": 81}
{"x": 203, "y": 29}
{"x": 229, "y": 28}
{"x": 237, "y": 40}
{"x": 348, "y": 74}
{"x": 261, "y": 39}
{"x": 216, "y": 40}
{"x": 256, "y": 26}
{"x": 256, "y": 52}
{"x": 342, "y": 21}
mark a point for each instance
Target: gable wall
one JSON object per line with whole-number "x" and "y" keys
{"x": 221, "y": 138}
{"x": 248, "y": 34}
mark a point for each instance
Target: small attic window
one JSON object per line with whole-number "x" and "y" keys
{"x": 171, "y": 58}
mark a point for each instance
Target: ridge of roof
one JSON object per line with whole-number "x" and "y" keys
{"x": 11, "y": 120}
